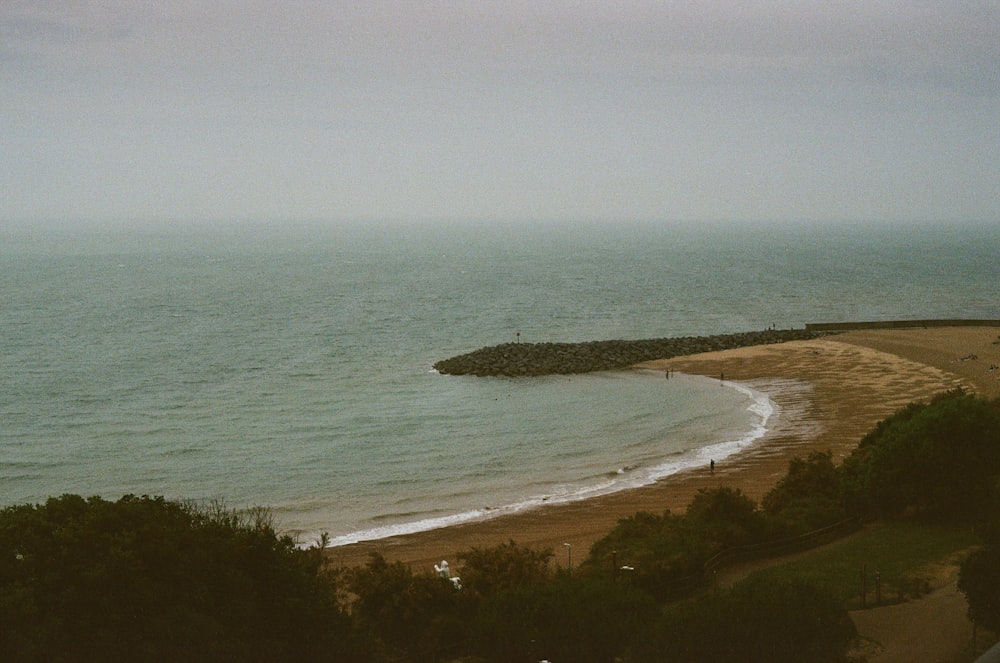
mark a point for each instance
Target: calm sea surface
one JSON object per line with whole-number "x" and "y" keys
{"x": 291, "y": 366}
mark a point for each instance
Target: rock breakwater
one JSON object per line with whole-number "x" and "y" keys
{"x": 533, "y": 359}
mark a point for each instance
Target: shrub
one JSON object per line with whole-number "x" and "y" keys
{"x": 488, "y": 570}
{"x": 668, "y": 552}
{"x": 807, "y": 497}
{"x": 979, "y": 580}
{"x": 725, "y": 517}
{"x": 588, "y": 620}
{"x": 942, "y": 457}
{"x": 754, "y": 622}
{"x": 148, "y": 579}
{"x": 408, "y": 617}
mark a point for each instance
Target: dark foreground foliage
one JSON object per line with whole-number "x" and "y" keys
{"x": 808, "y": 497}
{"x": 940, "y": 458}
{"x": 589, "y": 620}
{"x": 979, "y": 580}
{"x": 754, "y": 622}
{"x": 408, "y": 616}
{"x": 145, "y": 579}
{"x": 979, "y": 576}
{"x": 663, "y": 552}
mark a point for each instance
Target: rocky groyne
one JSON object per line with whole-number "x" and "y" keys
{"x": 532, "y": 359}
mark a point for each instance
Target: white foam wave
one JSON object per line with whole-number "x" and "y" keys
{"x": 616, "y": 480}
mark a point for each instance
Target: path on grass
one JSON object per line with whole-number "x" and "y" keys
{"x": 931, "y": 629}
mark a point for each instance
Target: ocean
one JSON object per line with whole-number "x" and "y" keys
{"x": 290, "y": 365}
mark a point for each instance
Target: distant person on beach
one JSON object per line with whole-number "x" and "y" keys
{"x": 711, "y": 466}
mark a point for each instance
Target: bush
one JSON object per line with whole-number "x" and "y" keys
{"x": 807, "y": 497}
{"x": 488, "y": 570}
{"x": 669, "y": 552}
{"x": 755, "y": 622}
{"x": 145, "y": 579}
{"x": 942, "y": 458}
{"x": 979, "y": 577}
{"x": 407, "y": 616}
{"x": 725, "y": 517}
{"x": 588, "y": 620}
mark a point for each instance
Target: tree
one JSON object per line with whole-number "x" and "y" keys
{"x": 979, "y": 576}
{"x": 979, "y": 580}
{"x": 667, "y": 553}
{"x": 148, "y": 579}
{"x": 757, "y": 621}
{"x": 941, "y": 457}
{"x": 584, "y": 619}
{"x": 725, "y": 516}
{"x": 411, "y": 617}
{"x": 808, "y": 496}
{"x": 488, "y": 570}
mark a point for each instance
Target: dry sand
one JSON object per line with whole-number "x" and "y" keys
{"x": 829, "y": 392}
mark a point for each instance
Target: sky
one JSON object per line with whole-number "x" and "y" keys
{"x": 222, "y": 111}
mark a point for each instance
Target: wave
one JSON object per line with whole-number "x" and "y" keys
{"x": 614, "y": 480}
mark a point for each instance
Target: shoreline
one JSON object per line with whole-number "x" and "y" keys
{"x": 829, "y": 392}
{"x": 758, "y": 404}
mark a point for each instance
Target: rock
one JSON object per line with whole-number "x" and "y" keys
{"x": 530, "y": 359}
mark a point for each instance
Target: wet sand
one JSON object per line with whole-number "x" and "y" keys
{"x": 829, "y": 393}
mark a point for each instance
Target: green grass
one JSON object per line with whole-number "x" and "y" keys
{"x": 901, "y": 552}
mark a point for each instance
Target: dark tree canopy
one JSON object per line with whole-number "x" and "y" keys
{"x": 488, "y": 570}
{"x": 587, "y": 620}
{"x": 754, "y": 622}
{"x": 940, "y": 457}
{"x": 409, "y": 616}
{"x": 979, "y": 580}
{"x": 808, "y": 497}
{"x": 146, "y": 579}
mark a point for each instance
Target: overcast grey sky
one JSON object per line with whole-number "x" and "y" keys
{"x": 727, "y": 110}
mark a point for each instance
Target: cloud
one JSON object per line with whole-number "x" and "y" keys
{"x": 695, "y": 109}
{"x": 949, "y": 44}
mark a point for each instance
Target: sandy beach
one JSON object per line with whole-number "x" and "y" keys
{"x": 829, "y": 393}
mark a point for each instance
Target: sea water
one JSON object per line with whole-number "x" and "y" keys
{"x": 290, "y": 366}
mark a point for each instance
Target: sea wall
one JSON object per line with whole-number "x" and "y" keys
{"x": 524, "y": 359}
{"x": 899, "y": 324}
